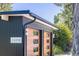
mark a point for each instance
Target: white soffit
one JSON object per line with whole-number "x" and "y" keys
{"x": 5, "y": 17}
{"x": 37, "y": 20}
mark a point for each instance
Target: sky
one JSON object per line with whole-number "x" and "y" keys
{"x": 44, "y": 10}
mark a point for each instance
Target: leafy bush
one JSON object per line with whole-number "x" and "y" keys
{"x": 57, "y": 50}
{"x": 64, "y": 36}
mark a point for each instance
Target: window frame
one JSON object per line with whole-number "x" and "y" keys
{"x": 35, "y": 41}
{"x": 48, "y": 47}
{"x": 47, "y": 40}
{"x": 36, "y": 49}
{"x": 48, "y": 53}
{"x": 35, "y": 33}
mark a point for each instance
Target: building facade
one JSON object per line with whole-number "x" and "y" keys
{"x": 23, "y": 33}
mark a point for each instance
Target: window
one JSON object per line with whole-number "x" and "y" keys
{"x": 36, "y": 55}
{"x": 48, "y": 47}
{"x": 35, "y": 41}
{"x": 48, "y": 34}
{"x": 35, "y": 49}
{"x": 47, "y": 41}
{"x": 35, "y": 33}
{"x": 48, "y": 53}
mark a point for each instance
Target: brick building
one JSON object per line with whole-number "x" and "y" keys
{"x": 25, "y": 33}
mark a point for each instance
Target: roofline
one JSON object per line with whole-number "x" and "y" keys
{"x": 44, "y": 20}
{"x": 27, "y": 12}
{"x": 15, "y": 12}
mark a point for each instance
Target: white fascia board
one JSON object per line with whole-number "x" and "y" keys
{"x": 31, "y": 18}
{"x": 39, "y": 21}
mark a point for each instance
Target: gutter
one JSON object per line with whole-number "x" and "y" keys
{"x": 25, "y": 36}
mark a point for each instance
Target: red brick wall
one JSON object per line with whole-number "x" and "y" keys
{"x": 46, "y": 44}
{"x": 30, "y": 45}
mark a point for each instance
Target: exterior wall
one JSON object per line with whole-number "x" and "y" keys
{"x": 37, "y": 25}
{"x": 14, "y": 28}
{"x": 46, "y": 44}
{"x": 11, "y": 28}
{"x": 30, "y": 37}
{"x": 43, "y": 38}
{"x": 30, "y": 45}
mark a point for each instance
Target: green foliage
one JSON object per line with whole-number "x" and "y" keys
{"x": 57, "y": 18}
{"x": 64, "y": 20}
{"x": 5, "y": 6}
{"x": 66, "y": 14}
{"x": 57, "y": 50}
{"x": 64, "y": 36}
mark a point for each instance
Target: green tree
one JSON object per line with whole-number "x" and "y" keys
{"x": 57, "y": 18}
{"x": 66, "y": 14}
{"x": 64, "y": 36}
{"x": 64, "y": 22}
{"x": 57, "y": 50}
{"x": 5, "y": 6}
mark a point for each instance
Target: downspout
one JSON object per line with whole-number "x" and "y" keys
{"x": 25, "y": 36}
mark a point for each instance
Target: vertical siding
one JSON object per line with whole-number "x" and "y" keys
{"x": 51, "y": 44}
{"x": 11, "y": 28}
{"x": 41, "y": 42}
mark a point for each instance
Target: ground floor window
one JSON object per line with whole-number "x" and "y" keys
{"x": 35, "y": 49}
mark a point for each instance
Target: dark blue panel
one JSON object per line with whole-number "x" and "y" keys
{"x": 12, "y": 28}
{"x": 15, "y": 12}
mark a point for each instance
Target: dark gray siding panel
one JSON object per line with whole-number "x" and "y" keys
{"x": 37, "y": 25}
{"x": 11, "y": 28}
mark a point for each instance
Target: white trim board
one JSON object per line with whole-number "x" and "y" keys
{"x": 27, "y": 16}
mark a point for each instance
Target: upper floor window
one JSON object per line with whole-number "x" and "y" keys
{"x": 48, "y": 34}
{"x": 35, "y": 41}
{"x": 35, "y": 33}
{"x": 47, "y": 41}
{"x": 48, "y": 47}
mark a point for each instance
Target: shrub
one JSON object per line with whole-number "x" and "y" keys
{"x": 57, "y": 50}
{"x": 64, "y": 36}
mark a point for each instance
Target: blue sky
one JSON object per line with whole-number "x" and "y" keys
{"x": 44, "y": 10}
